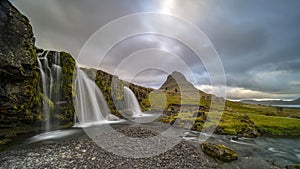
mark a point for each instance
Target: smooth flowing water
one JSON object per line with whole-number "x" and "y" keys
{"x": 50, "y": 84}
{"x": 90, "y": 104}
{"x": 287, "y": 106}
{"x": 131, "y": 103}
{"x": 133, "y": 110}
{"x": 260, "y": 151}
{"x": 56, "y": 89}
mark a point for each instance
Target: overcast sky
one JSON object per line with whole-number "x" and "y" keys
{"x": 258, "y": 41}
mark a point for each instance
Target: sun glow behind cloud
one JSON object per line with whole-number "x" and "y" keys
{"x": 253, "y": 60}
{"x": 167, "y": 6}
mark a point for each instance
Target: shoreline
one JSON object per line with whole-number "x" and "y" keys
{"x": 82, "y": 151}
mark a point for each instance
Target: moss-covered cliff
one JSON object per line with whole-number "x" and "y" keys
{"x": 19, "y": 75}
{"x": 114, "y": 93}
{"x": 62, "y": 109}
{"x": 20, "y": 89}
{"x": 21, "y": 94}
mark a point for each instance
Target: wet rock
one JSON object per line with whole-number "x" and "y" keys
{"x": 235, "y": 138}
{"x": 218, "y": 151}
{"x": 250, "y": 132}
{"x": 111, "y": 117}
{"x": 5, "y": 141}
{"x": 127, "y": 114}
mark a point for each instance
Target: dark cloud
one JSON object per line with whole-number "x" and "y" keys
{"x": 258, "y": 41}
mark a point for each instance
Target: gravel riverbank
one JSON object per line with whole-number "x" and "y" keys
{"x": 83, "y": 152}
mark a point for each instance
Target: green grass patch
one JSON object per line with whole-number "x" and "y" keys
{"x": 241, "y": 118}
{"x": 281, "y": 126}
{"x": 261, "y": 110}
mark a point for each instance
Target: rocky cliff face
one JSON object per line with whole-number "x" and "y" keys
{"x": 15, "y": 42}
{"x": 19, "y": 76}
{"x": 20, "y": 87}
{"x": 21, "y": 94}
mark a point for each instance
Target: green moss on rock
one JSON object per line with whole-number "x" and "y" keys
{"x": 67, "y": 109}
{"x": 218, "y": 151}
{"x": 237, "y": 124}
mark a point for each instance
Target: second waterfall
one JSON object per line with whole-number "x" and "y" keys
{"x": 90, "y": 104}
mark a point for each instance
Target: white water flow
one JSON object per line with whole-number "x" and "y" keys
{"x": 133, "y": 110}
{"x": 51, "y": 82}
{"x": 90, "y": 104}
{"x": 131, "y": 103}
{"x": 56, "y": 90}
{"x": 45, "y": 89}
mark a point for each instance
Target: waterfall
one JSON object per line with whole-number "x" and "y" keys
{"x": 56, "y": 89}
{"x": 131, "y": 103}
{"x": 51, "y": 86}
{"x": 133, "y": 111}
{"x": 90, "y": 104}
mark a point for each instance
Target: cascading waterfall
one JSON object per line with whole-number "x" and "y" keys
{"x": 45, "y": 88}
{"x": 90, "y": 104}
{"x": 131, "y": 103}
{"x": 51, "y": 82}
{"x": 133, "y": 110}
{"x": 56, "y": 90}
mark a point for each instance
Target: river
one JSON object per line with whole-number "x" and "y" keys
{"x": 287, "y": 106}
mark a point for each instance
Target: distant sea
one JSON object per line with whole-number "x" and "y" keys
{"x": 287, "y": 106}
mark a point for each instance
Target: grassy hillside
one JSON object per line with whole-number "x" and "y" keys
{"x": 244, "y": 119}
{"x": 237, "y": 118}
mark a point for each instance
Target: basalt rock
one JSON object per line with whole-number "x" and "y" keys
{"x": 218, "y": 151}
{"x": 16, "y": 43}
{"x": 19, "y": 75}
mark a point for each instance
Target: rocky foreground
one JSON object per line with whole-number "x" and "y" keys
{"x": 84, "y": 153}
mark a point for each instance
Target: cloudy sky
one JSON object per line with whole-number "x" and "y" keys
{"x": 258, "y": 42}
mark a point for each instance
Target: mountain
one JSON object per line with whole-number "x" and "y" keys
{"x": 176, "y": 84}
{"x": 296, "y": 101}
{"x": 175, "y": 80}
{"x": 273, "y": 102}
